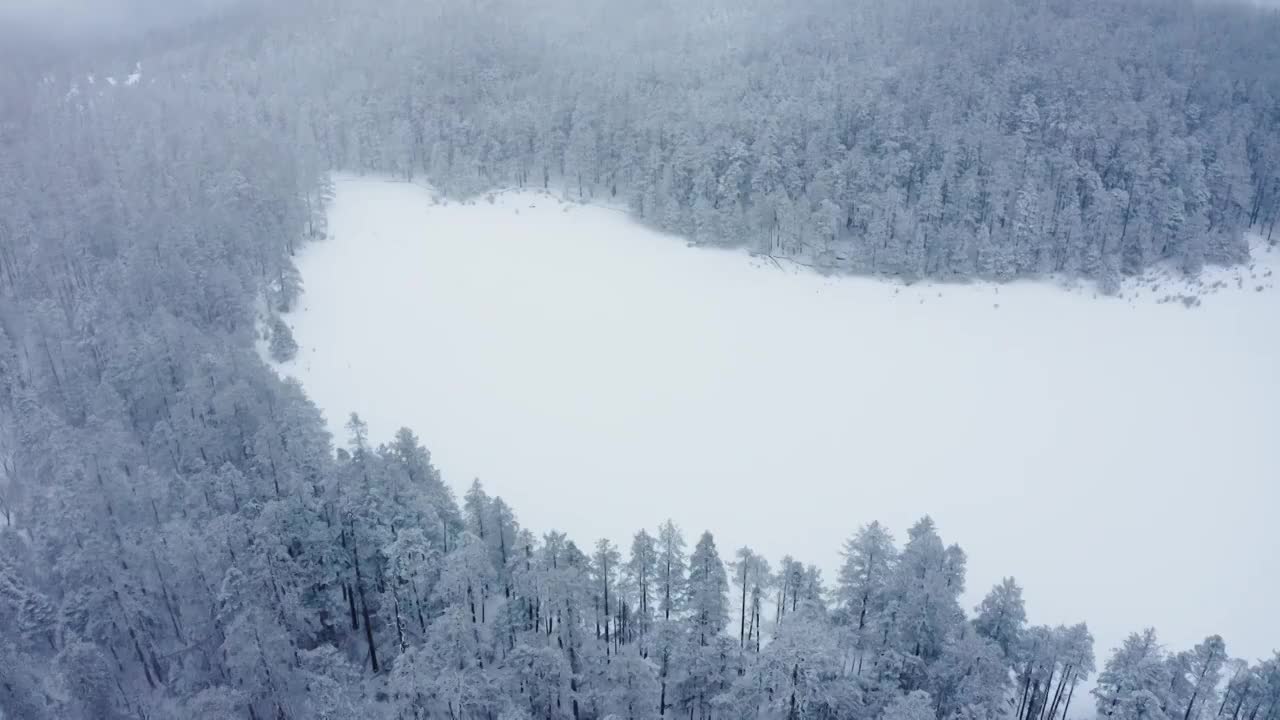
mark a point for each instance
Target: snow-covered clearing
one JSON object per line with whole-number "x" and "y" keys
{"x": 1118, "y": 456}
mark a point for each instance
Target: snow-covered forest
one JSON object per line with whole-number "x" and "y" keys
{"x": 180, "y": 537}
{"x": 986, "y": 138}
{"x": 572, "y": 358}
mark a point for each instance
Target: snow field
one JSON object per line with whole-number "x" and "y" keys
{"x": 1117, "y": 455}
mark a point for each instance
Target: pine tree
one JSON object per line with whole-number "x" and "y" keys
{"x": 642, "y": 575}
{"x": 706, "y": 594}
{"x": 924, "y": 592}
{"x": 751, "y": 575}
{"x": 1135, "y": 681}
{"x": 604, "y": 569}
{"x": 671, "y": 569}
{"x": 1001, "y": 616}
{"x": 282, "y": 346}
{"x": 862, "y": 588}
{"x": 1203, "y": 674}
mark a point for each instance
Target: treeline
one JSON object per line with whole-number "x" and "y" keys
{"x": 178, "y": 535}
{"x": 984, "y": 138}
{"x": 988, "y": 138}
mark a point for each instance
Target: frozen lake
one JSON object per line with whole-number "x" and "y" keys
{"x": 1120, "y": 457}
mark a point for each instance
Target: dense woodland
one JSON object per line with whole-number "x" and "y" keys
{"x": 180, "y": 537}
{"x": 988, "y": 138}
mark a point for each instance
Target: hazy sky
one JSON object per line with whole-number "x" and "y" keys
{"x": 70, "y": 20}
{"x": 79, "y": 18}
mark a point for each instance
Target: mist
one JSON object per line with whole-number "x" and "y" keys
{"x": 644, "y": 359}
{"x": 49, "y": 27}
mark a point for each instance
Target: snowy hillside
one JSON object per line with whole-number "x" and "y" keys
{"x": 601, "y": 377}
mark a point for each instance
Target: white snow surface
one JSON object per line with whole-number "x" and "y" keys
{"x": 1118, "y": 456}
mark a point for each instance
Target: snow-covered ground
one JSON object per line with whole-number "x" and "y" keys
{"x": 1119, "y": 456}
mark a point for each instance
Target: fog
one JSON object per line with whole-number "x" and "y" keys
{"x": 69, "y": 25}
{"x": 772, "y": 269}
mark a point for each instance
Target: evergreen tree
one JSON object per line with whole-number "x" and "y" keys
{"x": 862, "y": 588}
{"x": 671, "y": 569}
{"x": 1001, "y": 616}
{"x": 1135, "y": 682}
{"x": 707, "y": 591}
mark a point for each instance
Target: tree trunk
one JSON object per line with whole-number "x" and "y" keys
{"x": 605, "y": 567}
{"x": 1044, "y": 701}
{"x": 1031, "y": 700}
{"x": 364, "y": 604}
{"x": 755, "y": 620}
{"x": 1190, "y": 704}
{"x": 795, "y": 678}
{"x": 1026, "y": 686}
{"x": 1057, "y": 696}
{"x": 662, "y": 699}
{"x": 1066, "y": 707}
{"x": 1199, "y": 683}
{"x": 1240, "y": 703}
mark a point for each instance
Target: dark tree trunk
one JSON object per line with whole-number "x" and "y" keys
{"x": 795, "y": 678}
{"x": 1066, "y": 707}
{"x": 364, "y": 603}
{"x": 1057, "y": 696}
